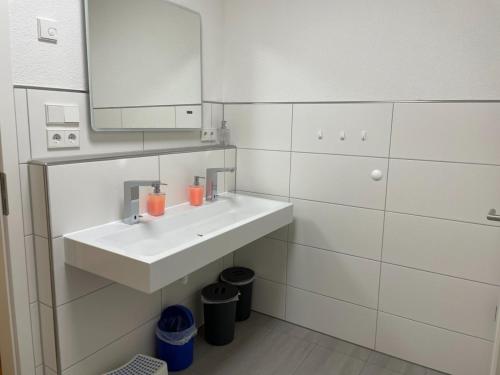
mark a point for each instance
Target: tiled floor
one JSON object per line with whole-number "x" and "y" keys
{"x": 264, "y": 345}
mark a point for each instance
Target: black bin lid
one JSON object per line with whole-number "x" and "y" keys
{"x": 219, "y": 293}
{"x": 237, "y": 276}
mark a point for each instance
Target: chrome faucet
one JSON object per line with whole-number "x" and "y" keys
{"x": 211, "y": 181}
{"x": 131, "y": 199}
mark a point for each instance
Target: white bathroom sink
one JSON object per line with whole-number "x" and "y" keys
{"x": 157, "y": 251}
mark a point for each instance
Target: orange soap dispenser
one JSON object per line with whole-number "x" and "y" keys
{"x": 195, "y": 192}
{"x": 156, "y": 201}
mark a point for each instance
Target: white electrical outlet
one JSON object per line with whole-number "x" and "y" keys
{"x": 209, "y": 135}
{"x": 72, "y": 138}
{"x": 63, "y": 138}
{"x": 55, "y": 139}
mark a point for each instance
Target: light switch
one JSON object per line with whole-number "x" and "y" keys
{"x": 47, "y": 30}
{"x": 54, "y": 114}
{"x": 71, "y": 114}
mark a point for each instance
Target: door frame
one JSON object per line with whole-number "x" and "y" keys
{"x": 16, "y": 341}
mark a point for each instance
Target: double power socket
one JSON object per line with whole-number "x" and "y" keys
{"x": 63, "y": 126}
{"x": 63, "y": 138}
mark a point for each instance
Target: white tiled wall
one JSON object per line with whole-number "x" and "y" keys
{"x": 100, "y": 324}
{"x": 421, "y": 229}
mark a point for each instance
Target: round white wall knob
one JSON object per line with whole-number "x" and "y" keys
{"x": 377, "y": 175}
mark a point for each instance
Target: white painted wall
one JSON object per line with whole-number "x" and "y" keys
{"x": 327, "y": 50}
{"x": 63, "y": 65}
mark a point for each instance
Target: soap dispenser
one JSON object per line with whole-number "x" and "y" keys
{"x": 156, "y": 201}
{"x": 196, "y": 192}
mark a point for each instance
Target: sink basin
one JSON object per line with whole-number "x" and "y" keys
{"x": 157, "y": 251}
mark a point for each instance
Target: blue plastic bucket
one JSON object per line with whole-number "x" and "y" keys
{"x": 175, "y": 334}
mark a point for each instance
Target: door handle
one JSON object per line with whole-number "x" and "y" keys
{"x": 492, "y": 215}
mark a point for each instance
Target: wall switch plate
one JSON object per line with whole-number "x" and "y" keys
{"x": 62, "y": 114}
{"x": 71, "y": 114}
{"x": 54, "y": 114}
{"x": 209, "y": 135}
{"x": 47, "y": 30}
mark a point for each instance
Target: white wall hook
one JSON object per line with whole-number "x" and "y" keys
{"x": 342, "y": 135}
{"x": 364, "y": 135}
{"x": 376, "y": 175}
{"x": 320, "y": 134}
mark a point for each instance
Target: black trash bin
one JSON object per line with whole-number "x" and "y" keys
{"x": 242, "y": 278}
{"x": 219, "y": 310}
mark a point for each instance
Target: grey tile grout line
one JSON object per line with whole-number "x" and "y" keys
{"x": 372, "y": 156}
{"x": 287, "y": 246}
{"x": 438, "y": 327}
{"x": 383, "y": 232}
{"x": 375, "y": 209}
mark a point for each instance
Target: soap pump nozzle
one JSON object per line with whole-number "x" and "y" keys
{"x": 197, "y": 180}
{"x": 157, "y": 187}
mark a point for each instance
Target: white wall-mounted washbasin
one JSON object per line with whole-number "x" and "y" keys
{"x": 156, "y": 252}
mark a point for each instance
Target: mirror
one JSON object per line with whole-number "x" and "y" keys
{"x": 144, "y": 65}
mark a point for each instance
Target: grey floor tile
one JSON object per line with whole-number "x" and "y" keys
{"x": 395, "y": 364}
{"x": 371, "y": 369}
{"x": 322, "y": 361}
{"x": 280, "y": 354}
{"x": 353, "y": 350}
{"x": 267, "y": 346}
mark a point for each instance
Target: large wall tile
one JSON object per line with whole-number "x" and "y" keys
{"x": 336, "y": 318}
{"x": 279, "y": 234}
{"x": 70, "y": 282}
{"x": 94, "y": 321}
{"x": 466, "y": 132}
{"x": 335, "y": 275}
{"x": 266, "y": 172}
{"x": 168, "y": 139}
{"x": 443, "y": 301}
{"x": 29, "y": 247}
{"x": 213, "y": 114}
{"x": 338, "y": 179}
{"x": 350, "y": 230}
{"x": 269, "y": 298}
{"x": 117, "y": 353}
{"x": 48, "y": 338}
{"x": 22, "y": 125}
{"x": 317, "y": 128}
{"x": 445, "y": 190}
{"x": 230, "y": 162}
{"x": 261, "y": 126}
{"x": 91, "y": 142}
{"x": 35, "y": 329}
{"x": 92, "y": 193}
{"x": 266, "y": 256}
{"x": 184, "y": 288}
{"x": 458, "y": 249}
{"x": 433, "y": 347}
{"x": 43, "y": 271}
{"x": 179, "y": 170}
{"x": 38, "y": 200}
{"x": 26, "y": 199}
